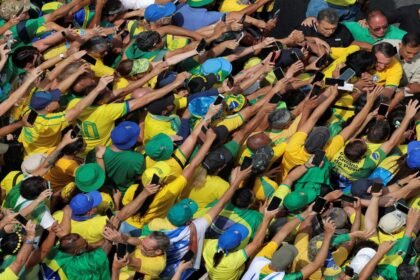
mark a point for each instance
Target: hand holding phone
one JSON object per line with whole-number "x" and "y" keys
{"x": 219, "y": 100}
{"x": 75, "y": 131}
{"x": 316, "y": 90}
{"x": 21, "y": 219}
{"x": 188, "y": 256}
{"x": 383, "y": 109}
{"x": 348, "y": 198}
{"x": 332, "y": 82}
{"x": 402, "y": 208}
{"x": 318, "y": 157}
{"x": 32, "y": 117}
{"x": 274, "y": 204}
{"x": 319, "y": 204}
{"x": 246, "y": 163}
{"x": 319, "y": 76}
{"x": 121, "y": 250}
{"x": 376, "y": 187}
{"x": 155, "y": 180}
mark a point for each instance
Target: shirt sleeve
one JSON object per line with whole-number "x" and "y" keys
{"x": 8, "y": 274}
{"x": 334, "y": 146}
{"x": 394, "y": 74}
{"x": 116, "y": 110}
{"x": 293, "y": 276}
{"x": 268, "y": 250}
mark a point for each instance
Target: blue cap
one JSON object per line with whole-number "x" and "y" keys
{"x": 218, "y": 66}
{"x": 124, "y": 136}
{"x": 232, "y": 237}
{"x": 155, "y": 12}
{"x": 198, "y": 107}
{"x": 413, "y": 155}
{"x": 83, "y": 203}
{"x": 166, "y": 78}
{"x": 42, "y": 99}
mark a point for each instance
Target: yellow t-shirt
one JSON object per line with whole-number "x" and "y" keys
{"x": 391, "y": 76}
{"x": 229, "y": 268}
{"x": 91, "y": 229}
{"x": 176, "y": 163}
{"x": 153, "y": 126}
{"x": 161, "y": 204}
{"x": 213, "y": 189}
{"x": 231, "y": 122}
{"x": 101, "y": 69}
{"x": 7, "y": 183}
{"x": 62, "y": 172}
{"x": 8, "y": 274}
{"x": 340, "y": 56}
{"x": 44, "y": 134}
{"x": 97, "y": 122}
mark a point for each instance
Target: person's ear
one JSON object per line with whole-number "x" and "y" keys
{"x": 159, "y": 252}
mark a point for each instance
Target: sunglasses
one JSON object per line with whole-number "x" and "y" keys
{"x": 379, "y": 28}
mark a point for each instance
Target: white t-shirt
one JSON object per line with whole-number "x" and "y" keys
{"x": 46, "y": 219}
{"x": 136, "y": 4}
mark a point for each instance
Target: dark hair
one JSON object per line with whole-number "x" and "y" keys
{"x": 112, "y": 8}
{"x": 24, "y": 55}
{"x": 124, "y": 68}
{"x": 361, "y": 61}
{"x": 147, "y": 40}
{"x": 11, "y": 243}
{"x": 411, "y": 39}
{"x": 73, "y": 148}
{"x": 355, "y": 150}
{"x": 162, "y": 240}
{"x": 32, "y": 187}
{"x": 242, "y": 198}
{"x": 360, "y": 245}
{"x": 217, "y": 258}
{"x": 402, "y": 169}
{"x": 96, "y": 44}
{"x": 385, "y": 48}
{"x": 328, "y": 15}
{"x": 379, "y": 132}
{"x": 407, "y": 271}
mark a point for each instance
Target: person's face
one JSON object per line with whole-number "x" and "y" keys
{"x": 75, "y": 244}
{"x": 148, "y": 247}
{"x": 382, "y": 62}
{"x": 378, "y": 26}
{"x": 408, "y": 53}
{"x": 325, "y": 28}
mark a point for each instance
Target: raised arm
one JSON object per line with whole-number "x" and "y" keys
{"x": 371, "y": 218}
{"x": 73, "y": 113}
{"x": 370, "y": 267}
{"x": 26, "y": 249}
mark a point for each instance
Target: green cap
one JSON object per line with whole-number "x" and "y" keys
{"x": 198, "y": 3}
{"x": 160, "y": 147}
{"x": 182, "y": 212}
{"x": 295, "y": 201}
{"x": 89, "y": 177}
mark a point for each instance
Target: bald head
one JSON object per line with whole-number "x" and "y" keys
{"x": 377, "y": 24}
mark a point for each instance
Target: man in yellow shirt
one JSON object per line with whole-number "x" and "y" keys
{"x": 45, "y": 131}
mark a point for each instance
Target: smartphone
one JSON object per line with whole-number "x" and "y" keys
{"x": 247, "y": 162}
{"x": 275, "y": 99}
{"x": 318, "y": 157}
{"x": 347, "y": 75}
{"x": 242, "y": 20}
{"x": 219, "y": 99}
{"x": 401, "y": 207}
{"x": 204, "y": 129}
{"x": 320, "y": 222}
{"x": 349, "y": 271}
{"x": 348, "y": 198}
{"x": 188, "y": 256}
{"x": 276, "y": 13}
{"x": 201, "y": 46}
{"x": 376, "y": 187}
{"x": 319, "y": 76}
{"x": 21, "y": 219}
{"x": 109, "y": 213}
{"x": 230, "y": 81}
{"x": 294, "y": 57}
{"x": 121, "y": 250}
{"x": 240, "y": 37}
{"x": 383, "y": 109}
{"x": 155, "y": 180}
{"x": 316, "y": 90}
{"x": 274, "y": 204}
{"x": 324, "y": 61}
{"x": 223, "y": 18}
{"x": 89, "y": 59}
{"x": 319, "y": 204}
{"x": 75, "y": 131}
{"x": 331, "y": 82}
{"x": 32, "y": 117}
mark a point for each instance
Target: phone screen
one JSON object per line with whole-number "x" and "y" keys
{"x": 155, "y": 180}
{"x": 274, "y": 204}
{"x": 323, "y": 61}
{"x": 109, "y": 213}
{"x": 383, "y": 109}
{"x": 121, "y": 250}
{"x": 75, "y": 131}
{"x": 319, "y": 204}
{"x": 32, "y": 117}
{"x": 223, "y": 18}
{"x": 331, "y": 82}
{"x": 348, "y": 198}
{"x": 21, "y": 219}
{"x": 320, "y": 222}
{"x": 89, "y": 59}
{"x": 347, "y": 75}
{"x": 318, "y": 77}
{"x": 188, "y": 256}
{"x": 349, "y": 271}
{"x": 376, "y": 187}
{"x": 316, "y": 90}
{"x": 246, "y": 163}
{"x": 402, "y": 208}
{"x": 219, "y": 100}
{"x": 318, "y": 158}
{"x": 230, "y": 81}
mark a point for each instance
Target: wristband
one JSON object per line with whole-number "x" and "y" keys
{"x": 299, "y": 217}
{"x": 339, "y": 239}
{"x": 29, "y": 241}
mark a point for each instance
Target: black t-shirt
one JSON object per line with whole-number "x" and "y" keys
{"x": 407, "y": 17}
{"x": 292, "y": 13}
{"x": 341, "y": 37}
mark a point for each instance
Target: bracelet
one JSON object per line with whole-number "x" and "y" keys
{"x": 29, "y": 241}
{"x": 299, "y": 217}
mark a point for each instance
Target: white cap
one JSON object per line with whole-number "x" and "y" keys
{"x": 392, "y": 222}
{"x": 32, "y": 162}
{"x": 361, "y": 259}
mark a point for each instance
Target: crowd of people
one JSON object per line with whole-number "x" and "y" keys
{"x": 202, "y": 139}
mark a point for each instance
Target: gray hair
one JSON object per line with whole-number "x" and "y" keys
{"x": 279, "y": 118}
{"x": 328, "y": 15}
{"x": 161, "y": 239}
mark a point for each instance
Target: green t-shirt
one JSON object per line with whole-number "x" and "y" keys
{"x": 26, "y": 30}
{"x": 122, "y": 168}
{"x": 362, "y": 34}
